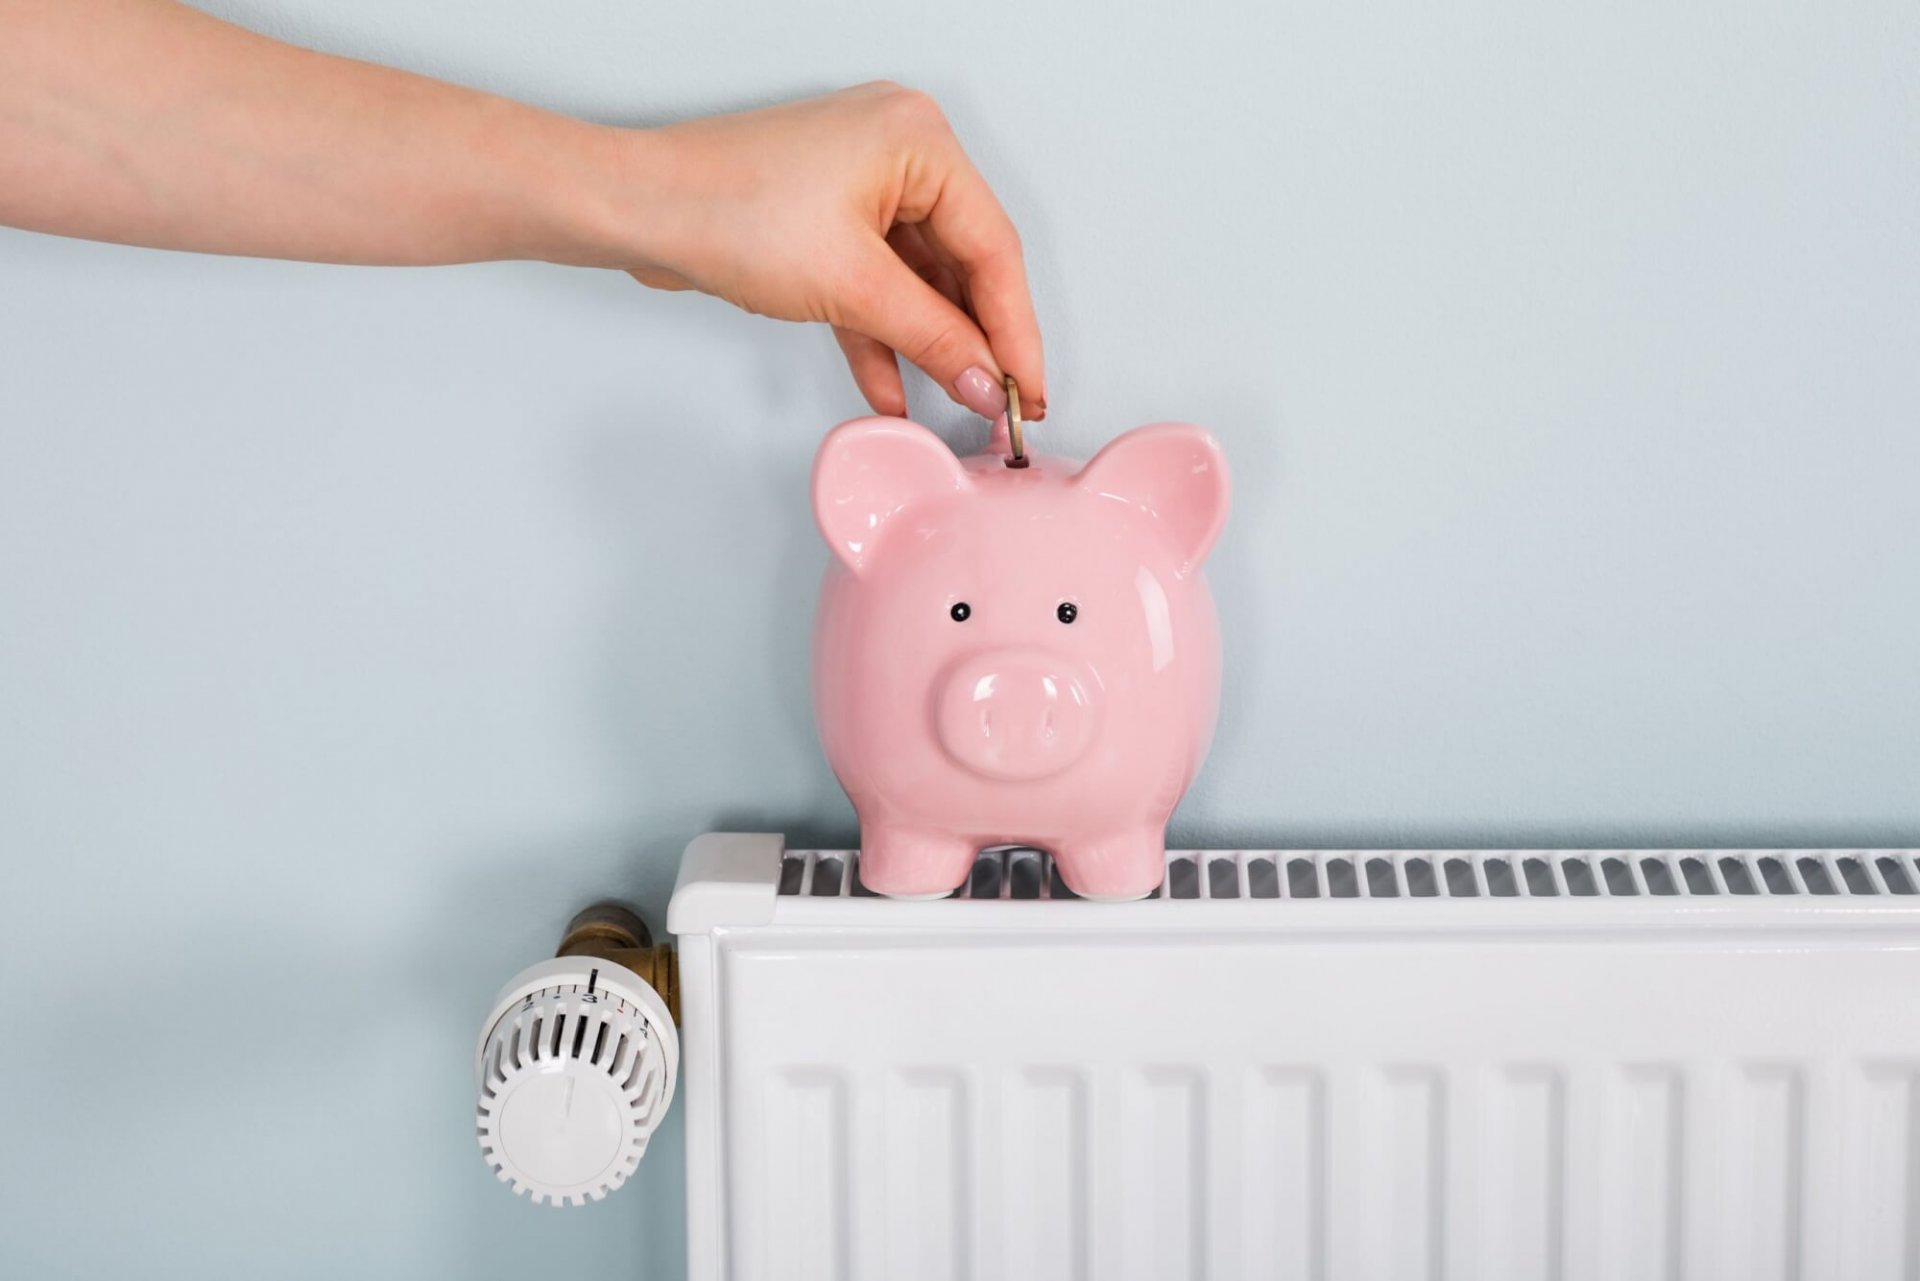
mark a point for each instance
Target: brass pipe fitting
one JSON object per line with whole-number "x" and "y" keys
{"x": 613, "y": 932}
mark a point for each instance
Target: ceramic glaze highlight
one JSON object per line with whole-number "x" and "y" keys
{"x": 1016, "y": 656}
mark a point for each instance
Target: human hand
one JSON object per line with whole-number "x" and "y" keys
{"x": 859, "y": 209}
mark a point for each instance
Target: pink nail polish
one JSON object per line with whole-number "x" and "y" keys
{"x": 981, "y": 392}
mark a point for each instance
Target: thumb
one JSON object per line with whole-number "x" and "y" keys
{"x": 894, "y": 306}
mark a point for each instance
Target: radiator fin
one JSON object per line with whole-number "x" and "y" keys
{"x": 1046, "y": 1160}
{"x": 1410, "y": 1194}
{"x": 1524, "y": 1208}
{"x": 928, "y": 1194}
{"x": 1884, "y": 1235}
{"x": 1163, "y": 1216}
{"x": 1283, "y": 1185}
{"x": 1765, "y": 1148}
{"x": 1674, "y": 1064}
{"x": 1639, "y": 1236}
{"x": 1020, "y": 874}
{"x": 807, "y": 1139}
{"x": 1510, "y": 1173}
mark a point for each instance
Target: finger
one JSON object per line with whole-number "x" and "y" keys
{"x": 887, "y": 302}
{"x": 965, "y": 221}
{"x": 875, "y": 372}
{"x": 928, "y": 262}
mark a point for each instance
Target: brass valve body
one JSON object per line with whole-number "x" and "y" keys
{"x": 616, "y": 933}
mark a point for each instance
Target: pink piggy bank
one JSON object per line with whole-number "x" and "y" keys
{"x": 1016, "y": 655}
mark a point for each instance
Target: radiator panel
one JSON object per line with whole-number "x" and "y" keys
{"x": 1335, "y": 1087}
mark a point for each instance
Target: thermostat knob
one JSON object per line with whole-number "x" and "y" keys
{"x": 575, "y": 1070}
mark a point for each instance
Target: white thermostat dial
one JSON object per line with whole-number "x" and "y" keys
{"x": 576, "y": 1069}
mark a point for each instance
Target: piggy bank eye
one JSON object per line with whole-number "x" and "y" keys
{"x": 960, "y": 612}
{"x": 1067, "y": 612}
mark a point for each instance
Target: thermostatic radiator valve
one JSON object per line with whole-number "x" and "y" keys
{"x": 577, "y": 1062}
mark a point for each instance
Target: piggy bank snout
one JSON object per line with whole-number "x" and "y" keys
{"x": 1016, "y": 714}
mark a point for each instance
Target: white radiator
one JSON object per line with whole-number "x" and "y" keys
{"x": 1598, "y": 1066}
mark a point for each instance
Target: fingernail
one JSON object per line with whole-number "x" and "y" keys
{"x": 981, "y": 392}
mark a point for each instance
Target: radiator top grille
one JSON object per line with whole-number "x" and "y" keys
{"x": 1016, "y": 874}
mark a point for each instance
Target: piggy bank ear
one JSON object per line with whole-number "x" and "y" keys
{"x": 1175, "y": 473}
{"x": 872, "y": 471}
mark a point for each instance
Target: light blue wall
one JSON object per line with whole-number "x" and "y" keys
{"x": 357, "y": 626}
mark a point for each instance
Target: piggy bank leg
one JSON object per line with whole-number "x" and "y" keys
{"x": 904, "y": 862}
{"x": 1116, "y": 868}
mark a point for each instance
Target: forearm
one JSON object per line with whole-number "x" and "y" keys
{"x": 150, "y": 123}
